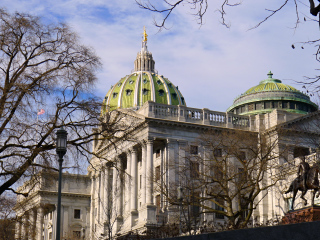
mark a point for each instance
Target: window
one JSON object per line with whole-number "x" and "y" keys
{"x": 76, "y": 214}
{"x": 217, "y": 152}
{"x": 131, "y": 81}
{"x": 158, "y": 82}
{"x": 128, "y": 92}
{"x": 119, "y": 84}
{"x": 50, "y": 235}
{"x": 182, "y": 100}
{"x": 218, "y": 208}
{"x": 194, "y": 169}
{"x": 114, "y": 95}
{"x": 140, "y": 182}
{"x": 158, "y": 201}
{"x": 145, "y": 91}
{"x": 174, "y": 95}
{"x": 242, "y": 156}
{"x": 241, "y": 175}
{"x": 193, "y": 149}
{"x": 161, "y": 92}
{"x": 157, "y": 173}
{"x": 145, "y": 81}
{"x": 170, "y": 85}
{"x": 76, "y": 234}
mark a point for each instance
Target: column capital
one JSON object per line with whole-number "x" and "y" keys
{"x": 149, "y": 141}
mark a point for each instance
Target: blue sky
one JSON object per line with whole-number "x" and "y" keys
{"x": 211, "y": 64}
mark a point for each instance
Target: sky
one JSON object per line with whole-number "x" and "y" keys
{"x": 211, "y": 64}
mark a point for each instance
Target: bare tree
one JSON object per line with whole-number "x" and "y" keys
{"x": 7, "y": 220}
{"x": 229, "y": 179}
{"x": 46, "y": 82}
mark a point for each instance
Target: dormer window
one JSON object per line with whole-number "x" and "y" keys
{"x": 174, "y": 95}
{"x": 145, "y": 91}
{"x": 182, "y": 100}
{"x": 158, "y": 82}
{"x": 128, "y": 92}
{"x": 170, "y": 85}
{"x": 145, "y": 81}
{"x": 161, "y": 92}
{"x": 115, "y": 95}
{"x": 119, "y": 84}
{"x": 131, "y": 81}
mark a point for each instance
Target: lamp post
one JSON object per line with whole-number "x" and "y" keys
{"x": 180, "y": 199}
{"x": 61, "y": 149}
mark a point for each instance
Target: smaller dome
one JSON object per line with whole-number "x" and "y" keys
{"x": 272, "y": 94}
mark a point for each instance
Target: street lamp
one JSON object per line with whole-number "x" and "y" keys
{"x": 61, "y": 149}
{"x": 180, "y": 199}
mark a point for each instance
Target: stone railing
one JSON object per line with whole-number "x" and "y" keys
{"x": 194, "y": 115}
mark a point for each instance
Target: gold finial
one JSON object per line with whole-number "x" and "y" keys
{"x": 145, "y": 35}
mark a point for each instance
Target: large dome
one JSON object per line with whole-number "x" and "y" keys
{"x": 142, "y": 85}
{"x": 272, "y": 94}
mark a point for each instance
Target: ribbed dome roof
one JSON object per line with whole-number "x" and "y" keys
{"x": 272, "y": 94}
{"x": 142, "y": 85}
{"x": 270, "y": 84}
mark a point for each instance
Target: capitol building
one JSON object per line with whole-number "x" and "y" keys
{"x": 162, "y": 166}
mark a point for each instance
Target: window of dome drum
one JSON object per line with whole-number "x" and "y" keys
{"x": 174, "y": 95}
{"x": 145, "y": 91}
{"x": 161, "y": 92}
{"x": 115, "y": 95}
{"x": 128, "y": 92}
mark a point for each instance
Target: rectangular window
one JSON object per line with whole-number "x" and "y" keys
{"x": 157, "y": 173}
{"x": 76, "y": 214}
{"x": 158, "y": 203}
{"x": 242, "y": 156}
{"x": 217, "y": 152}
{"x": 194, "y": 169}
{"x": 140, "y": 181}
{"x": 193, "y": 149}
{"x": 76, "y": 234}
{"x": 218, "y": 208}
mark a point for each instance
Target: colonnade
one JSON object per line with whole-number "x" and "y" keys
{"x": 30, "y": 225}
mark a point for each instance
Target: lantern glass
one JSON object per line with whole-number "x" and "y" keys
{"x": 61, "y": 143}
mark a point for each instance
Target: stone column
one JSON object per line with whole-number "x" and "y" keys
{"x": 24, "y": 228}
{"x": 134, "y": 173}
{"x": 31, "y": 228}
{"x": 128, "y": 182}
{"x": 144, "y": 172}
{"x": 98, "y": 199}
{"x": 102, "y": 200}
{"x": 115, "y": 192}
{"x": 107, "y": 193}
{"x": 39, "y": 223}
{"x": 171, "y": 165}
{"x": 17, "y": 230}
{"x": 149, "y": 173}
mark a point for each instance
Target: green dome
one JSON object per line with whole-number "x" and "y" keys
{"x": 135, "y": 89}
{"x": 272, "y": 94}
{"x": 142, "y": 85}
